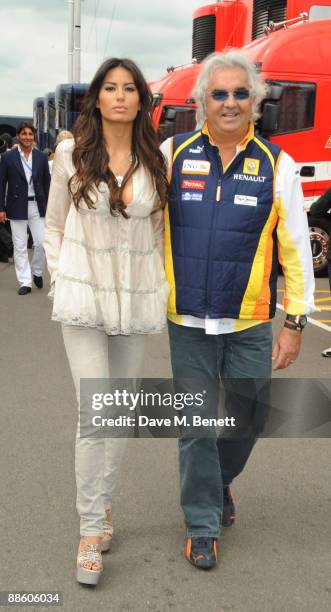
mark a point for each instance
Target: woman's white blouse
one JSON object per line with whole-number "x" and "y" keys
{"x": 106, "y": 271}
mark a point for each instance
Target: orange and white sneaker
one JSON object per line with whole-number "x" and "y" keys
{"x": 108, "y": 532}
{"x": 202, "y": 552}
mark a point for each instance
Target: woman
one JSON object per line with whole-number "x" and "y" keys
{"x": 104, "y": 240}
{"x": 62, "y": 135}
{"x": 50, "y": 156}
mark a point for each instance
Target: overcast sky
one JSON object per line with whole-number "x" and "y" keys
{"x": 34, "y": 42}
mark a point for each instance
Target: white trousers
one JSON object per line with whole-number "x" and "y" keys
{"x": 93, "y": 354}
{"x": 20, "y": 241}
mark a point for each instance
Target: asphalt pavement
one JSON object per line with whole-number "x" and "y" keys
{"x": 275, "y": 558}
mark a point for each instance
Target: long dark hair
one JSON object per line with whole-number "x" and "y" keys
{"x": 90, "y": 156}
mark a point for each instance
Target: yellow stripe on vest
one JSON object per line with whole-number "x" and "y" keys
{"x": 256, "y": 301}
{"x": 169, "y": 264}
{"x": 266, "y": 150}
{"x": 185, "y": 144}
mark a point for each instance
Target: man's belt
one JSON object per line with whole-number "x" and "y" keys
{"x": 31, "y": 198}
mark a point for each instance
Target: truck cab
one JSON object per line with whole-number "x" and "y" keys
{"x": 50, "y": 132}
{"x": 294, "y": 57}
{"x": 174, "y": 106}
{"x": 296, "y": 63}
{"x": 68, "y": 103}
{"x": 39, "y": 120}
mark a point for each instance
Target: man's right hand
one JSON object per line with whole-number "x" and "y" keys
{"x": 2, "y": 217}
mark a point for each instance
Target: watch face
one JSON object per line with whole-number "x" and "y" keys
{"x": 303, "y": 321}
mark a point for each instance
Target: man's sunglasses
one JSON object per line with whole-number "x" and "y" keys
{"x": 220, "y": 95}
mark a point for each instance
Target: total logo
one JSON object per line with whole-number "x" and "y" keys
{"x": 198, "y": 185}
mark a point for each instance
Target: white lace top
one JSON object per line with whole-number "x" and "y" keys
{"x": 106, "y": 272}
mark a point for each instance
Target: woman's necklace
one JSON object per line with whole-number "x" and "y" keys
{"x": 121, "y": 166}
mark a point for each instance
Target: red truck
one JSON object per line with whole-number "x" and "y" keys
{"x": 294, "y": 57}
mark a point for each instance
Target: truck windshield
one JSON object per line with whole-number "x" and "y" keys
{"x": 292, "y": 109}
{"x": 79, "y": 98}
{"x": 176, "y": 120}
{"x": 51, "y": 117}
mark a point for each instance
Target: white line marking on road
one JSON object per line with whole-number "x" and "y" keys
{"x": 312, "y": 321}
{"x": 327, "y": 299}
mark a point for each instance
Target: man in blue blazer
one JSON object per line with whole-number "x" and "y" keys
{"x": 24, "y": 187}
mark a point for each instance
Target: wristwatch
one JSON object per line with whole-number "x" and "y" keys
{"x": 295, "y": 322}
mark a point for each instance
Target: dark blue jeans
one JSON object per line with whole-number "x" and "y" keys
{"x": 242, "y": 362}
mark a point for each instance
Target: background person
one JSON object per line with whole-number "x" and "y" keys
{"x": 104, "y": 247}
{"x": 6, "y": 143}
{"x": 24, "y": 172}
{"x": 321, "y": 208}
{"x": 235, "y": 200}
{"x": 63, "y": 135}
{"x": 50, "y": 156}
{"x": 3, "y": 146}
{"x": 6, "y": 243}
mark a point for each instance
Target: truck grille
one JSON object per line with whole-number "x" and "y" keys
{"x": 265, "y": 11}
{"x": 203, "y": 43}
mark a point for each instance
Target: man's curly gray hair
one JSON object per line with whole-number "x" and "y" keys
{"x": 223, "y": 61}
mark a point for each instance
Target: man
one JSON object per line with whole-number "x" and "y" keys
{"x": 234, "y": 200}
{"x": 8, "y": 140}
{"x": 3, "y": 146}
{"x": 320, "y": 208}
{"x": 24, "y": 176}
{"x": 6, "y": 244}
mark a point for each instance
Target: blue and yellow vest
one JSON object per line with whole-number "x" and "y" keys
{"x": 220, "y": 229}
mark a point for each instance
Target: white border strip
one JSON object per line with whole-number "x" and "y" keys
{"x": 310, "y": 320}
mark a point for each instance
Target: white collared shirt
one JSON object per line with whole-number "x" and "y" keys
{"x": 27, "y": 167}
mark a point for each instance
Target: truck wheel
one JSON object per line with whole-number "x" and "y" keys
{"x": 319, "y": 242}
